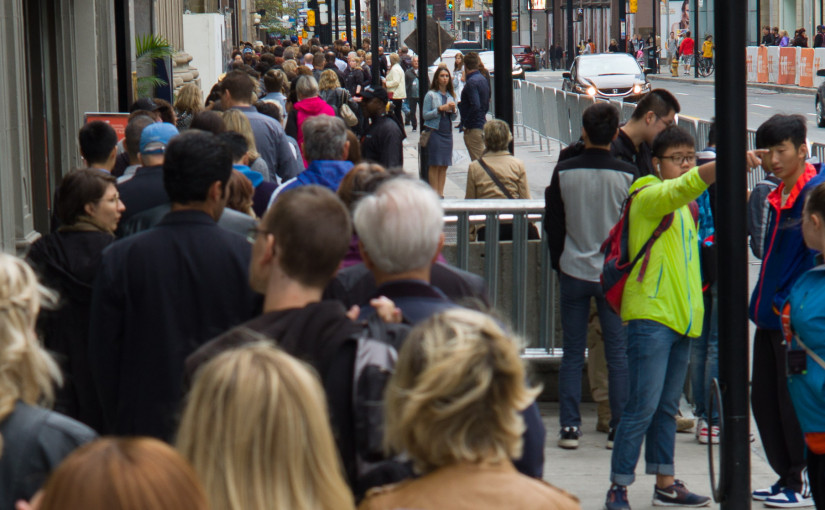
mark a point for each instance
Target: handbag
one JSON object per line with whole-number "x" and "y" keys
{"x": 504, "y": 233}
{"x": 345, "y": 112}
{"x": 424, "y": 139}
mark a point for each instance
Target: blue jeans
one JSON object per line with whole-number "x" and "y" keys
{"x": 575, "y": 314}
{"x": 657, "y": 359}
{"x": 704, "y": 359}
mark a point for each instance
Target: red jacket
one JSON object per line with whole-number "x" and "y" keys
{"x": 686, "y": 48}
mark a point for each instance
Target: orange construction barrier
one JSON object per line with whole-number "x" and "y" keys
{"x": 762, "y": 64}
{"x": 806, "y": 67}
{"x": 787, "y": 66}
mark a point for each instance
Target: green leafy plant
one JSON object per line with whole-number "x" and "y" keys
{"x": 148, "y": 48}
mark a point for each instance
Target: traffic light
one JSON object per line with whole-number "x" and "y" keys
{"x": 311, "y": 18}
{"x": 634, "y": 6}
{"x": 393, "y": 21}
{"x": 450, "y": 4}
{"x": 489, "y": 35}
{"x": 468, "y": 4}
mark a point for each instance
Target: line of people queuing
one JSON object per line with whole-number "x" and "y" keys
{"x": 661, "y": 327}
{"x": 775, "y": 37}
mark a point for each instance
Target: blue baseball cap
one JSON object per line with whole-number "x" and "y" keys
{"x": 155, "y": 137}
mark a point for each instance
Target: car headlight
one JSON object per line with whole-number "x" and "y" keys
{"x": 637, "y": 88}
{"x": 591, "y": 91}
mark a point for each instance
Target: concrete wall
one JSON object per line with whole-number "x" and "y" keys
{"x": 203, "y": 38}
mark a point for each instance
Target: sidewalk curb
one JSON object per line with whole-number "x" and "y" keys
{"x": 765, "y": 86}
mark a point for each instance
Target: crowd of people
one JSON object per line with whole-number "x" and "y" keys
{"x": 247, "y": 297}
{"x": 775, "y": 37}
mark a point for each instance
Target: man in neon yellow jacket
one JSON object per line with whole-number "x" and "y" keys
{"x": 663, "y": 312}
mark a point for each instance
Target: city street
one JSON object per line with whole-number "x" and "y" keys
{"x": 697, "y": 100}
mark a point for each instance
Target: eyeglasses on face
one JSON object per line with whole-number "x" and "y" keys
{"x": 680, "y": 159}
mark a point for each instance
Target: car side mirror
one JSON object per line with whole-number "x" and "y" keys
{"x": 821, "y": 72}
{"x": 567, "y": 76}
{"x": 647, "y": 71}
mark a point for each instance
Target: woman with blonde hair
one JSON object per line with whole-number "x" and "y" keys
{"x": 33, "y": 440}
{"x": 331, "y": 91}
{"x": 237, "y": 121}
{"x": 452, "y": 406}
{"x": 189, "y": 102}
{"x": 257, "y": 432}
{"x": 124, "y": 474}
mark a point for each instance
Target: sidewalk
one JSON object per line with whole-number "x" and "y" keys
{"x": 585, "y": 472}
{"x": 665, "y": 76}
{"x": 538, "y": 161}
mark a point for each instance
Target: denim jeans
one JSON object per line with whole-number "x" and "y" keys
{"x": 575, "y": 314}
{"x": 704, "y": 359}
{"x": 657, "y": 360}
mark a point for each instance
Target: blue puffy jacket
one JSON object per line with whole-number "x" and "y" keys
{"x": 786, "y": 257}
{"x": 807, "y": 314}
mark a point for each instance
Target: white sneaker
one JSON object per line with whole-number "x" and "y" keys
{"x": 788, "y": 498}
{"x": 708, "y": 434}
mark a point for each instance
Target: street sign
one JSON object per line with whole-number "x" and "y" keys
{"x": 429, "y": 9}
{"x": 393, "y": 21}
{"x": 411, "y": 16}
{"x": 311, "y": 18}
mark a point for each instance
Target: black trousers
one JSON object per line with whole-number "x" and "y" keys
{"x": 773, "y": 410}
{"x": 413, "y": 115}
{"x": 816, "y": 477}
{"x": 399, "y": 115}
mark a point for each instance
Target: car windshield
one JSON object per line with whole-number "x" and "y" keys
{"x": 487, "y": 58}
{"x": 608, "y": 66}
{"x": 517, "y": 50}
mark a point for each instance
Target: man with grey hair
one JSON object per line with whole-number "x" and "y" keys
{"x": 401, "y": 231}
{"x": 326, "y": 148}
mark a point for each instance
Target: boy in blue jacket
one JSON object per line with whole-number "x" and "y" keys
{"x": 786, "y": 258}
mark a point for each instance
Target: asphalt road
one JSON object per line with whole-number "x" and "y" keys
{"x": 697, "y": 100}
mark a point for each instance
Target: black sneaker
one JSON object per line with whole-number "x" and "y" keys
{"x": 678, "y": 495}
{"x": 569, "y": 437}
{"x": 611, "y": 436}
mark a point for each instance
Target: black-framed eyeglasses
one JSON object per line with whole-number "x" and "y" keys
{"x": 679, "y": 159}
{"x": 668, "y": 124}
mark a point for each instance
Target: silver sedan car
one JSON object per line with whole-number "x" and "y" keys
{"x": 607, "y": 76}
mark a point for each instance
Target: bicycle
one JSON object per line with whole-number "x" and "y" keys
{"x": 706, "y": 66}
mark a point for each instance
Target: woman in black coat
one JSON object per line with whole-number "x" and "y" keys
{"x": 67, "y": 261}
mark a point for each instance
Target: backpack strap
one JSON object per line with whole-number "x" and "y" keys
{"x": 665, "y": 224}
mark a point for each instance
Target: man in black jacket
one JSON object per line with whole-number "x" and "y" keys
{"x": 475, "y": 101}
{"x": 656, "y": 111}
{"x": 162, "y": 293}
{"x": 298, "y": 247}
{"x": 383, "y": 139}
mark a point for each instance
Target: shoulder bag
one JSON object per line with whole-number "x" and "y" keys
{"x": 532, "y": 230}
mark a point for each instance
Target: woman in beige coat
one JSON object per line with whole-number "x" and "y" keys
{"x": 508, "y": 169}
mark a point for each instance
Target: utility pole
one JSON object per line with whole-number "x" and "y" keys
{"x": 335, "y": 18}
{"x": 348, "y": 18}
{"x": 571, "y": 50}
{"x": 530, "y": 14}
{"x": 622, "y": 25}
{"x": 423, "y": 81}
{"x": 731, "y": 118}
{"x": 696, "y": 38}
{"x": 376, "y": 68}
{"x": 655, "y": 40}
{"x": 503, "y": 62}
{"x": 357, "y": 23}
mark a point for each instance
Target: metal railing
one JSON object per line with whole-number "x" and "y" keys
{"x": 539, "y": 329}
{"x": 554, "y": 116}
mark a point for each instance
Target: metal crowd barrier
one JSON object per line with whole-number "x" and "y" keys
{"x": 554, "y": 116}
{"x": 536, "y": 278}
